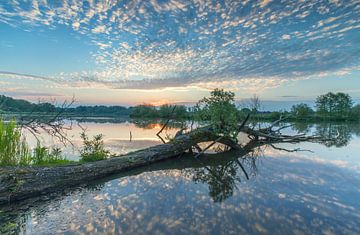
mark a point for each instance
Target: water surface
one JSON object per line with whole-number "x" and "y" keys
{"x": 266, "y": 191}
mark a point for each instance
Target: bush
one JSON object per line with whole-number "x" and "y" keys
{"x": 220, "y": 110}
{"x": 275, "y": 115}
{"x": 93, "y": 150}
{"x": 44, "y": 156}
{"x": 301, "y": 110}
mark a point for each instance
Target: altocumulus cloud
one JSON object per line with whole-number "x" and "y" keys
{"x": 171, "y": 43}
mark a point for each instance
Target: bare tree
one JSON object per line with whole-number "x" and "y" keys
{"x": 255, "y": 103}
{"x": 51, "y": 123}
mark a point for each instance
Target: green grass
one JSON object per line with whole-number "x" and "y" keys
{"x": 14, "y": 150}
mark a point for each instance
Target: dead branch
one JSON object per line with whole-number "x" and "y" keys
{"x": 52, "y": 124}
{"x": 209, "y": 146}
{"x": 290, "y": 150}
{"x": 242, "y": 168}
{"x": 166, "y": 123}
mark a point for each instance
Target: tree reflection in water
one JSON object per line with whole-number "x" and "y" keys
{"x": 221, "y": 173}
{"x": 338, "y": 134}
{"x": 222, "y": 178}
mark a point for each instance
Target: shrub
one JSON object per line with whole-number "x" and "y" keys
{"x": 220, "y": 110}
{"x": 301, "y": 110}
{"x": 44, "y": 156}
{"x": 93, "y": 150}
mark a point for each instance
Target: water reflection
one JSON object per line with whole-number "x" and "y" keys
{"x": 168, "y": 197}
{"x": 220, "y": 172}
{"x": 152, "y": 124}
{"x": 230, "y": 193}
{"x": 339, "y": 134}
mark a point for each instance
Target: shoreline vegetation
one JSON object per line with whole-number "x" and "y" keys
{"x": 329, "y": 107}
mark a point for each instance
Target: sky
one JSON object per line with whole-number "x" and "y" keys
{"x": 175, "y": 51}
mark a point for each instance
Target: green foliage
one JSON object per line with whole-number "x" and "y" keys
{"x": 43, "y": 156}
{"x": 172, "y": 111}
{"x": 15, "y": 151}
{"x": 17, "y": 105}
{"x": 13, "y": 148}
{"x": 301, "y": 110}
{"x": 164, "y": 111}
{"x": 9, "y": 228}
{"x": 93, "y": 149}
{"x": 355, "y": 111}
{"x": 275, "y": 115}
{"x": 220, "y": 110}
{"x": 143, "y": 111}
{"x": 338, "y": 104}
{"x": 9, "y": 104}
{"x": 98, "y": 110}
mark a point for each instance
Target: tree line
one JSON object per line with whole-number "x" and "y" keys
{"x": 8, "y": 104}
{"x": 335, "y": 106}
{"x": 329, "y": 106}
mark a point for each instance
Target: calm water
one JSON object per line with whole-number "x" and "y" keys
{"x": 266, "y": 191}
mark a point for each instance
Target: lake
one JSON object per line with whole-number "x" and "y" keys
{"x": 267, "y": 191}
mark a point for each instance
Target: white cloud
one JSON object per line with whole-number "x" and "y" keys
{"x": 286, "y": 37}
{"x": 175, "y": 42}
{"x": 76, "y": 25}
{"x": 99, "y": 29}
{"x": 264, "y": 2}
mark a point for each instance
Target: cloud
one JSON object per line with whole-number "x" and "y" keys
{"x": 22, "y": 75}
{"x": 286, "y": 37}
{"x": 264, "y": 2}
{"x": 172, "y": 43}
{"x": 32, "y": 94}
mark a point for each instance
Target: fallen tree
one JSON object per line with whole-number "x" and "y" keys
{"x": 17, "y": 183}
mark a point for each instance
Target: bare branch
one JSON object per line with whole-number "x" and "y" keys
{"x": 166, "y": 123}
{"x": 290, "y": 150}
{"x": 209, "y": 146}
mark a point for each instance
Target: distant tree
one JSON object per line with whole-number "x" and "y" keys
{"x": 335, "y": 104}
{"x": 245, "y": 110}
{"x": 172, "y": 111}
{"x": 301, "y": 110}
{"x": 15, "y": 105}
{"x": 275, "y": 115}
{"x": 255, "y": 103}
{"x": 220, "y": 110}
{"x": 355, "y": 111}
{"x": 144, "y": 111}
{"x": 45, "y": 107}
{"x": 181, "y": 111}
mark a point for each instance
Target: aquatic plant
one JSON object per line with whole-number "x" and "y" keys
{"x": 93, "y": 149}
{"x": 48, "y": 156}
{"x": 14, "y": 149}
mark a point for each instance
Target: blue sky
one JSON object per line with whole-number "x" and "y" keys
{"x": 158, "y": 51}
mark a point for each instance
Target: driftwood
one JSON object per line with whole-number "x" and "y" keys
{"x": 17, "y": 183}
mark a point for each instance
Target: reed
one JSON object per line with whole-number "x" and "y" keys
{"x": 14, "y": 150}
